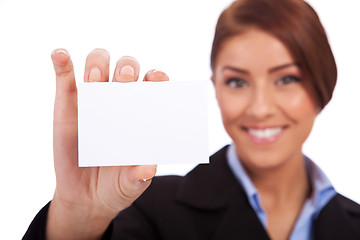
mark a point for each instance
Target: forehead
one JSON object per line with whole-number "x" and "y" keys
{"x": 253, "y": 49}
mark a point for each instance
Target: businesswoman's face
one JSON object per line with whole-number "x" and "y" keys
{"x": 265, "y": 105}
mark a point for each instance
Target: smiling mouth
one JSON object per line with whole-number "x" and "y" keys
{"x": 264, "y": 134}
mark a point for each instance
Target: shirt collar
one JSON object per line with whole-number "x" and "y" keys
{"x": 320, "y": 184}
{"x": 322, "y": 189}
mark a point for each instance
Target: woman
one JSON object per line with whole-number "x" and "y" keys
{"x": 273, "y": 72}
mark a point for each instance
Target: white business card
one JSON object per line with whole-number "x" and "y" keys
{"x": 140, "y": 123}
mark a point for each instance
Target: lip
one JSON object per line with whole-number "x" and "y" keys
{"x": 264, "y": 134}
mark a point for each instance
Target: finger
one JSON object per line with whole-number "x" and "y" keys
{"x": 156, "y": 75}
{"x": 65, "y": 79}
{"x": 97, "y": 66}
{"x": 126, "y": 70}
{"x": 65, "y": 111}
{"x": 65, "y": 101}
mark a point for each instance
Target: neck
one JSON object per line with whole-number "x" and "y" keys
{"x": 282, "y": 184}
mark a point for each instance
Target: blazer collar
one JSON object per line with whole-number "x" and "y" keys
{"x": 210, "y": 186}
{"x": 213, "y": 187}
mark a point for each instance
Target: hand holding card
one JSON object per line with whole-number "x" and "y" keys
{"x": 87, "y": 199}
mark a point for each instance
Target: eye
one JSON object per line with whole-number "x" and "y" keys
{"x": 287, "y": 80}
{"x": 236, "y": 83}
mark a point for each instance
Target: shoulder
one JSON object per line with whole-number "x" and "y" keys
{"x": 339, "y": 219}
{"x": 348, "y": 205}
{"x": 345, "y": 205}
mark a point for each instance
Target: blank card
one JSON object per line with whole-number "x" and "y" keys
{"x": 140, "y": 123}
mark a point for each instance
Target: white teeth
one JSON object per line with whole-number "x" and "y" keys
{"x": 265, "y": 133}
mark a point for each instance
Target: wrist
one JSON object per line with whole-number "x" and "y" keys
{"x": 76, "y": 221}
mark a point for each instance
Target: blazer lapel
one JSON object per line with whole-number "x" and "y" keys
{"x": 240, "y": 222}
{"x": 213, "y": 187}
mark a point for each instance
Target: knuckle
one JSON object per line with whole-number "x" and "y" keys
{"x": 64, "y": 72}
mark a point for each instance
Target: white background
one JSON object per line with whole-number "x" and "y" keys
{"x": 174, "y": 36}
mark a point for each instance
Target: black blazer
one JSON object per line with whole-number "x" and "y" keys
{"x": 208, "y": 203}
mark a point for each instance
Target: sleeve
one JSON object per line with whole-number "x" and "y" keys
{"x": 129, "y": 224}
{"x": 147, "y": 218}
{"x": 37, "y": 227}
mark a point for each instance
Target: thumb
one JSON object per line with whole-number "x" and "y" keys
{"x": 132, "y": 182}
{"x": 138, "y": 178}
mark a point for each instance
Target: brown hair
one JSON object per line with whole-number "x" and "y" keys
{"x": 296, "y": 24}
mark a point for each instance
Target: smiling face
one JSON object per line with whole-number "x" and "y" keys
{"x": 264, "y": 101}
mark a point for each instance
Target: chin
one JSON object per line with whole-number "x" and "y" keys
{"x": 263, "y": 160}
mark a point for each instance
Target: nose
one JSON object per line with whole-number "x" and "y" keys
{"x": 261, "y": 104}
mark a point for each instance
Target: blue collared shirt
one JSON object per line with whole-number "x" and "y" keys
{"x": 322, "y": 193}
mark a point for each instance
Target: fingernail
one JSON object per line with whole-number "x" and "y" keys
{"x": 60, "y": 51}
{"x": 153, "y": 71}
{"x": 146, "y": 179}
{"x": 95, "y": 75}
{"x": 127, "y": 70}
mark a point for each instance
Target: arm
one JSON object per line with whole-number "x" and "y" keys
{"x": 129, "y": 224}
{"x": 87, "y": 199}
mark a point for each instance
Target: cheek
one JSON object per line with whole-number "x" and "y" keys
{"x": 231, "y": 107}
{"x": 301, "y": 105}
{"x": 301, "y": 109}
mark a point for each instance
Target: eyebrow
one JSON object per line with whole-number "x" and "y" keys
{"x": 271, "y": 70}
